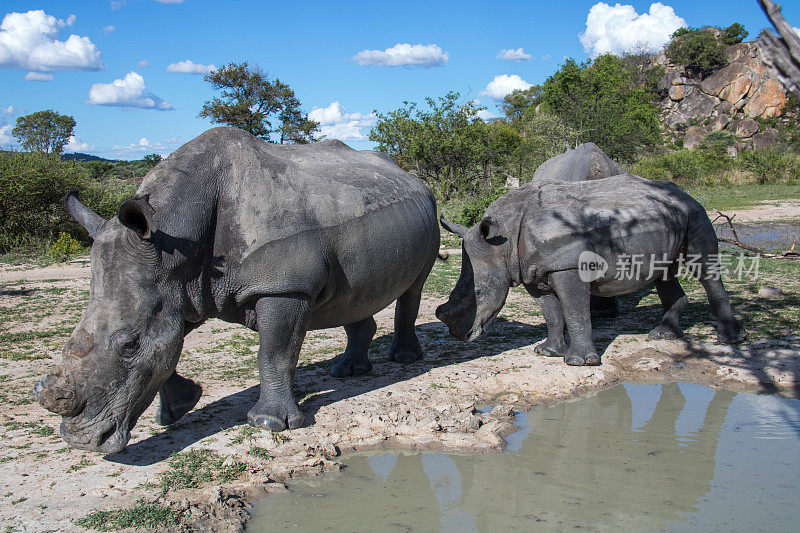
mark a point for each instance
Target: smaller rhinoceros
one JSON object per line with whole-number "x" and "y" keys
{"x": 564, "y": 241}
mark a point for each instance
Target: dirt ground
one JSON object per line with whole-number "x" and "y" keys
{"x": 201, "y": 472}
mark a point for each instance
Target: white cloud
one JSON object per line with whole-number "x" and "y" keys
{"x": 109, "y": 29}
{"x": 143, "y": 147}
{"x": 514, "y": 55}
{"x": 336, "y": 123}
{"x": 38, "y": 76}
{"x": 143, "y": 63}
{"x": 504, "y": 84}
{"x": 7, "y": 141}
{"x": 116, "y": 4}
{"x": 620, "y": 29}
{"x": 126, "y": 92}
{"x": 28, "y": 41}
{"x": 404, "y": 54}
{"x": 71, "y": 20}
{"x": 189, "y": 67}
{"x": 76, "y": 145}
{"x": 483, "y": 114}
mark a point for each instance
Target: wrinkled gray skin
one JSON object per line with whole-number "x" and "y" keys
{"x": 534, "y": 236}
{"x": 586, "y": 162}
{"x": 282, "y": 239}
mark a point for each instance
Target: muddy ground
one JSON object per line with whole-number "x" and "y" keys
{"x": 202, "y": 471}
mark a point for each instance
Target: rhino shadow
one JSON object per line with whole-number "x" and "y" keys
{"x": 440, "y": 350}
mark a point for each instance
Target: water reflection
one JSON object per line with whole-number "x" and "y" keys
{"x": 635, "y": 457}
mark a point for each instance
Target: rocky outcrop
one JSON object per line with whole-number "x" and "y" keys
{"x": 727, "y": 100}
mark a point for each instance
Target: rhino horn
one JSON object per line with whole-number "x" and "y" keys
{"x": 137, "y": 214}
{"x": 87, "y": 218}
{"x": 452, "y": 227}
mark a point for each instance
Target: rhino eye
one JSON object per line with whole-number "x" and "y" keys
{"x": 125, "y": 342}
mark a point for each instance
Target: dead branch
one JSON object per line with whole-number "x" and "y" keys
{"x": 788, "y": 254}
{"x": 782, "y": 53}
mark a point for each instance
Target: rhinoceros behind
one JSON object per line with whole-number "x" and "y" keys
{"x": 586, "y": 162}
{"x": 281, "y": 239}
{"x": 540, "y": 234}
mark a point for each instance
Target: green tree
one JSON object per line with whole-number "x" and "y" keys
{"x": 734, "y": 34}
{"x": 152, "y": 159}
{"x": 516, "y": 103}
{"x": 603, "y": 102}
{"x": 251, "y": 101}
{"x": 44, "y": 131}
{"x": 698, "y": 49}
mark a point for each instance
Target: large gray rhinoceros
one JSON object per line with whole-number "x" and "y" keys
{"x": 279, "y": 238}
{"x": 565, "y": 241}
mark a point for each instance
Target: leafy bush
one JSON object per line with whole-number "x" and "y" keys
{"x": 65, "y": 248}
{"x": 698, "y": 49}
{"x": 473, "y": 209}
{"x": 32, "y": 187}
{"x": 734, "y": 34}
{"x": 704, "y": 166}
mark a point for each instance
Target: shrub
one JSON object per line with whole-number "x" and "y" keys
{"x": 474, "y": 208}
{"x": 698, "y": 49}
{"x": 65, "y": 248}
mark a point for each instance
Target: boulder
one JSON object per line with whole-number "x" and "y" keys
{"x": 676, "y": 92}
{"x": 726, "y": 108}
{"x": 698, "y": 105}
{"x": 765, "y": 139}
{"x": 694, "y": 136}
{"x": 731, "y": 83}
{"x": 675, "y": 118}
{"x": 768, "y": 99}
{"x": 719, "y": 122}
{"x": 744, "y": 128}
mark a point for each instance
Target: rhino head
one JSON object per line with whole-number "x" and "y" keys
{"x": 129, "y": 339}
{"x": 486, "y": 275}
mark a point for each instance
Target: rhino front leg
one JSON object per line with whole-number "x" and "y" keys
{"x": 282, "y": 323}
{"x": 554, "y": 345}
{"x": 178, "y": 396}
{"x": 573, "y": 294}
{"x": 355, "y": 361}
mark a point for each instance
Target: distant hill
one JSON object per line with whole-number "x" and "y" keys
{"x": 78, "y": 156}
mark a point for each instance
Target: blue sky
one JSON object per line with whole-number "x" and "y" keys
{"x": 322, "y": 49}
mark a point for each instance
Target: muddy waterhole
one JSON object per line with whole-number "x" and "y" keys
{"x": 640, "y": 457}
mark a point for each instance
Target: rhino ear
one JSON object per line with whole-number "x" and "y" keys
{"x": 452, "y": 227}
{"x": 91, "y": 221}
{"x": 489, "y": 228}
{"x": 137, "y": 214}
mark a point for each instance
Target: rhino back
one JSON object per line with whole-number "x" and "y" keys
{"x": 586, "y": 162}
{"x": 320, "y": 219}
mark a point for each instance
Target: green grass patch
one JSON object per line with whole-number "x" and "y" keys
{"x": 196, "y": 467}
{"x": 743, "y": 196}
{"x": 142, "y": 515}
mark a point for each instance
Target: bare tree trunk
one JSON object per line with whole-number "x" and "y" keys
{"x": 781, "y": 53}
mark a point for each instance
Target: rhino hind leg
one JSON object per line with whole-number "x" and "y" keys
{"x": 573, "y": 294}
{"x": 729, "y": 330}
{"x": 405, "y": 346}
{"x": 673, "y": 300}
{"x": 282, "y": 324}
{"x": 554, "y": 345}
{"x": 355, "y": 361}
{"x": 178, "y": 396}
